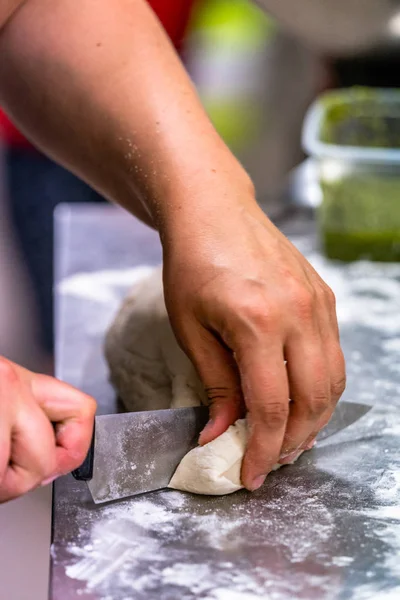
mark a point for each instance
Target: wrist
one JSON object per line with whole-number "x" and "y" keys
{"x": 197, "y": 195}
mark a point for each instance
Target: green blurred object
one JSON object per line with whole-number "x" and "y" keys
{"x": 355, "y": 136}
{"x": 362, "y": 121}
{"x": 231, "y": 36}
{"x": 234, "y": 120}
{"x": 237, "y": 23}
{"x": 360, "y": 218}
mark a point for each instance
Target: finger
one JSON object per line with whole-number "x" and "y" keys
{"x": 5, "y": 444}
{"x": 266, "y": 393}
{"x": 309, "y": 382}
{"x": 329, "y": 333}
{"x": 73, "y": 412}
{"x": 337, "y": 386}
{"x": 330, "y": 336}
{"x": 218, "y": 371}
{"x": 32, "y": 453}
{"x": 28, "y": 469}
{"x": 5, "y": 417}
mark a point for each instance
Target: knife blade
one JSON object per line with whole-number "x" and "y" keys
{"x": 138, "y": 452}
{"x": 346, "y": 414}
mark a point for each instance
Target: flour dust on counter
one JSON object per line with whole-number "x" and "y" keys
{"x": 185, "y": 548}
{"x": 367, "y": 293}
{"x": 307, "y": 532}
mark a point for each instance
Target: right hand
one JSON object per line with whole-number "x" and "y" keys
{"x": 242, "y": 301}
{"x": 32, "y": 451}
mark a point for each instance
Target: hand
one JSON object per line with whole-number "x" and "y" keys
{"x": 32, "y": 452}
{"x": 242, "y": 301}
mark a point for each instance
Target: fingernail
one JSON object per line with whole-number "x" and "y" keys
{"x": 49, "y": 480}
{"x": 257, "y": 483}
{"x": 290, "y": 457}
{"x": 310, "y": 444}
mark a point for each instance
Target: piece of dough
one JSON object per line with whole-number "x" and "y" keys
{"x": 147, "y": 366}
{"x": 214, "y": 469}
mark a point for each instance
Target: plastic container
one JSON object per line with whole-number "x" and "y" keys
{"x": 354, "y": 137}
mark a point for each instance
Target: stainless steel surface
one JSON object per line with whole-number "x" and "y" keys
{"x": 327, "y": 528}
{"x": 139, "y": 452}
{"x": 340, "y": 27}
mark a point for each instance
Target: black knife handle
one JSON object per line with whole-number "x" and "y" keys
{"x": 85, "y": 471}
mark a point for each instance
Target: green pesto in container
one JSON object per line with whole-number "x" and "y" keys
{"x": 361, "y": 119}
{"x": 360, "y": 218}
{"x": 360, "y": 212}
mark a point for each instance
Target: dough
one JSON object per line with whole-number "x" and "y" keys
{"x": 147, "y": 366}
{"x": 214, "y": 469}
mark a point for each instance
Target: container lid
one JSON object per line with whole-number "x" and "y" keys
{"x": 367, "y": 115}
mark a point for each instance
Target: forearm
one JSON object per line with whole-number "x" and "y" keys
{"x": 98, "y": 87}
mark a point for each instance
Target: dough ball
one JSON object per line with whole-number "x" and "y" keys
{"x": 214, "y": 469}
{"x": 147, "y": 367}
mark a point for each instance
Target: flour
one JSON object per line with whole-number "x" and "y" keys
{"x": 182, "y": 545}
{"x": 367, "y": 293}
{"x": 388, "y": 489}
{"x": 102, "y": 286}
{"x": 226, "y": 594}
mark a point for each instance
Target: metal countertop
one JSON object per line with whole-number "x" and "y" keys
{"x": 326, "y": 528}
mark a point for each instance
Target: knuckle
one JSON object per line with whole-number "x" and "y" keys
{"x": 273, "y": 415}
{"x": 252, "y": 304}
{"x": 75, "y": 457}
{"x": 338, "y": 386}
{"x": 258, "y": 314}
{"x": 7, "y": 371}
{"x": 339, "y": 362}
{"x": 317, "y": 400}
{"x": 88, "y": 408}
{"x": 304, "y": 301}
{"x": 220, "y": 394}
{"x": 330, "y": 296}
{"x": 45, "y": 467}
{"x": 317, "y": 405}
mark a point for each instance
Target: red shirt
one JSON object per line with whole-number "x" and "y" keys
{"x": 173, "y": 14}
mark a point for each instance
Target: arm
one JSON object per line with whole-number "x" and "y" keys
{"x": 101, "y": 90}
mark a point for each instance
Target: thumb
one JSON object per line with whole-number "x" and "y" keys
{"x": 218, "y": 372}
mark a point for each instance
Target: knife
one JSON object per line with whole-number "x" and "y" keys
{"x": 137, "y": 452}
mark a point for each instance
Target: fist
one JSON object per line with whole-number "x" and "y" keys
{"x": 45, "y": 429}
